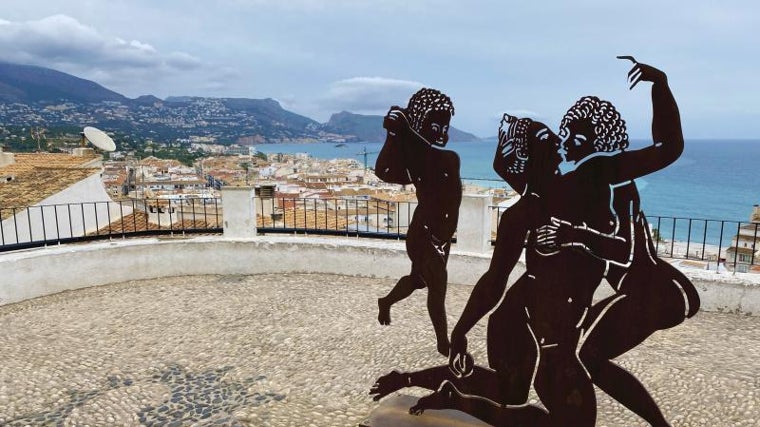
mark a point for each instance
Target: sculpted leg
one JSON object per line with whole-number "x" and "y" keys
{"x": 622, "y": 386}
{"x": 404, "y": 287}
{"x": 436, "y": 304}
{"x": 514, "y": 358}
{"x": 482, "y": 382}
{"x": 565, "y": 389}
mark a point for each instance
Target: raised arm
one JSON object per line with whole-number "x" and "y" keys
{"x": 390, "y": 165}
{"x": 666, "y": 133}
{"x": 511, "y": 151}
{"x": 487, "y": 293}
{"x": 403, "y": 155}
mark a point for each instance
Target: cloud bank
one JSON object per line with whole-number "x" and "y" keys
{"x": 63, "y": 43}
{"x": 62, "y": 39}
{"x": 369, "y": 95}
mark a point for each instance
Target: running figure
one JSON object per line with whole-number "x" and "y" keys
{"x": 411, "y": 156}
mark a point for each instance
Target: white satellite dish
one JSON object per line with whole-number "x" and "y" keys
{"x": 99, "y": 138}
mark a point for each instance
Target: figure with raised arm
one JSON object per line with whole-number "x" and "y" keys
{"x": 651, "y": 294}
{"x": 513, "y": 330}
{"x": 413, "y": 154}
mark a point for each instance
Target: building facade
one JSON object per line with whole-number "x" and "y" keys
{"x": 743, "y": 255}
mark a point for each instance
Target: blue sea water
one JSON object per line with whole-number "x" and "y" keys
{"x": 712, "y": 180}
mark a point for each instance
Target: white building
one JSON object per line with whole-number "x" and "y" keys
{"x": 745, "y": 246}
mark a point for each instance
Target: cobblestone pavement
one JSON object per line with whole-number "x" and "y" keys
{"x": 299, "y": 350}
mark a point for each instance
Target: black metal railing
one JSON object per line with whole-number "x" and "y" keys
{"x": 358, "y": 217}
{"x": 35, "y": 226}
{"x": 731, "y": 244}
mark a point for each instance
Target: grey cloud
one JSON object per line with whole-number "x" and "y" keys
{"x": 182, "y": 60}
{"x": 369, "y": 94}
{"x": 61, "y": 39}
{"x": 222, "y": 81}
{"x": 309, "y": 5}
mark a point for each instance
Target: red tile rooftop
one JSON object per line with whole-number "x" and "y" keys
{"x": 138, "y": 221}
{"x": 300, "y": 218}
{"x": 36, "y": 176}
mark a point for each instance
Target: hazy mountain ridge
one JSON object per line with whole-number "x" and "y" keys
{"x": 28, "y": 83}
{"x": 364, "y": 128}
{"x": 37, "y": 96}
{"x": 370, "y": 128}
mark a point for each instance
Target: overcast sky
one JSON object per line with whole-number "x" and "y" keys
{"x": 318, "y": 57}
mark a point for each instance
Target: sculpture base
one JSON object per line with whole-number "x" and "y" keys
{"x": 394, "y": 412}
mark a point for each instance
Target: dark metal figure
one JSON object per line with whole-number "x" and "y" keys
{"x": 573, "y": 239}
{"x": 410, "y": 156}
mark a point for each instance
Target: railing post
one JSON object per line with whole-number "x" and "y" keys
{"x": 238, "y": 212}
{"x": 474, "y": 227}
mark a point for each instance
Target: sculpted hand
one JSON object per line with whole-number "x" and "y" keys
{"x": 508, "y": 132}
{"x": 556, "y": 234}
{"x": 643, "y": 72}
{"x": 395, "y": 121}
{"x": 461, "y": 363}
{"x": 388, "y": 384}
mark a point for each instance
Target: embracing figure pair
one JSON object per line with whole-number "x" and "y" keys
{"x": 576, "y": 228}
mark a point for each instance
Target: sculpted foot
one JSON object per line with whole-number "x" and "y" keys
{"x": 384, "y": 312}
{"x": 389, "y": 383}
{"x": 441, "y": 399}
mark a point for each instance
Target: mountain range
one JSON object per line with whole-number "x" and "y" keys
{"x": 370, "y": 128}
{"x": 37, "y": 96}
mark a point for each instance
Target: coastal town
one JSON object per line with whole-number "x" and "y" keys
{"x": 293, "y": 189}
{"x": 176, "y": 154}
{"x": 294, "y": 192}
{"x": 349, "y": 213}
{"x": 177, "y": 119}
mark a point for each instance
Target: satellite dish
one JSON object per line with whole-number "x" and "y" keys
{"x": 99, "y": 138}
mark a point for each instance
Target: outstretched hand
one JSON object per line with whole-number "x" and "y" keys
{"x": 395, "y": 121}
{"x": 387, "y": 384}
{"x": 643, "y": 72}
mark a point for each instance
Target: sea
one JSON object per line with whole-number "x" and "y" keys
{"x": 710, "y": 189}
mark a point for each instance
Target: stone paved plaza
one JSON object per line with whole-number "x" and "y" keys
{"x": 299, "y": 350}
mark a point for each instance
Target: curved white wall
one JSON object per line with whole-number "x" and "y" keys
{"x": 38, "y": 272}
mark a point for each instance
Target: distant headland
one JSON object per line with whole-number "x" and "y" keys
{"x": 37, "y": 96}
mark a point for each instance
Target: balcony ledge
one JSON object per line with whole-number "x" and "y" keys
{"x": 39, "y": 272}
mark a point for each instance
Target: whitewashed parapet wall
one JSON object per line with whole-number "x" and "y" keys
{"x": 34, "y": 273}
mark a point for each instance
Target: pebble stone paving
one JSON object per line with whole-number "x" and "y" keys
{"x": 300, "y": 350}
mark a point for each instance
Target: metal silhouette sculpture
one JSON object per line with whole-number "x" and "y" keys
{"x": 576, "y": 228}
{"x": 410, "y": 156}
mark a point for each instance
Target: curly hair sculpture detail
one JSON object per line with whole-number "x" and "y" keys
{"x": 425, "y": 101}
{"x": 609, "y": 127}
{"x": 514, "y": 140}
